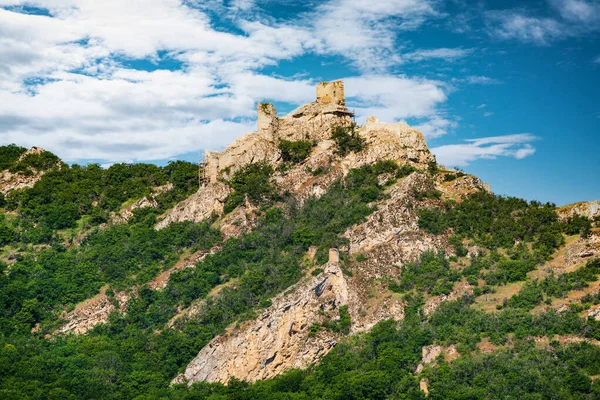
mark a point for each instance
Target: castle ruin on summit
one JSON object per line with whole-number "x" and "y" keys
{"x": 312, "y": 121}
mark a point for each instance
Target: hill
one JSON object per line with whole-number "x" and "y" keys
{"x": 313, "y": 258}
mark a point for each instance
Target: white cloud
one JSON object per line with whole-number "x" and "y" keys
{"x": 435, "y": 127}
{"x": 481, "y": 106}
{"x": 509, "y": 24}
{"x": 365, "y": 32}
{"x": 579, "y": 11}
{"x": 488, "y": 114}
{"x": 517, "y": 146}
{"x": 392, "y": 98}
{"x": 597, "y": 60}
{"x": 481, "y": 80}
{"x": 575, "y": 18}
{"x": 63, "y": 84}
{"x": 447, "y": 54}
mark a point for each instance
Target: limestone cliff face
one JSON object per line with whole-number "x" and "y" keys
{"x": 201, "y": 205}
{"x": 589, "y": 209}
{"x": 12, "y": 181}
{"x": 277, "y": 340}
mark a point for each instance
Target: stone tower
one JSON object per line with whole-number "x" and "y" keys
{"x": 267, "y": 119}
{"x": 331, "y": 93}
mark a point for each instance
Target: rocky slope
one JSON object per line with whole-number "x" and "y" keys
{"x": 282, "y": 337}
{"x": 589, "y": 209}
{"x": 385, "y": 141}
{"x": 20, "y": 180}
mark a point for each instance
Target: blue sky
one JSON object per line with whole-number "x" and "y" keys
{"x": 507, "y": 90}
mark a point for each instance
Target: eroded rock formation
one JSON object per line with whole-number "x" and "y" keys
{"x": 589, "y": 209}
{"x": 280, "y": 338}
{"x": 315, "y": 121}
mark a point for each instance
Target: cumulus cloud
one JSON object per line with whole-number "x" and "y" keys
{"x": 66, "y": 82}
{"x": 436, "y": 126}
{"x": 516, "y": 146}
{"x": 365, "y": 32}
{"x": 393, "y": 97}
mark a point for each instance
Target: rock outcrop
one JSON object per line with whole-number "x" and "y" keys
{"x": 277, "y": 340}
{"x": 10, "y": 181}
{"x": 589, "y": 209}
{"x": 92, "y": 312}
{"x": 208, "y": 200}
{"x": 148, "y": 201}
{"x": 281, "y": 337}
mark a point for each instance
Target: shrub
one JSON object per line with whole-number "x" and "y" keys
{"x": 295, "y": 151}
{"x": 252, "y": 180}
{"x": 405, "y": 170}
{"x": 449, "y": 177}
{"x": 347, "y": 139}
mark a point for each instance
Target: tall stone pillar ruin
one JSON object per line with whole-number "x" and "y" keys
{"x": 267, "y": 120}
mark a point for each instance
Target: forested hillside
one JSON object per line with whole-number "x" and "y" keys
{"x": 62, "y": 243}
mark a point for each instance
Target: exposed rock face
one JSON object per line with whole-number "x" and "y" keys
{"x": 461, "y": 186}
{"x": 582, "y": 249}
{"x": 594, "y": 313}
{"x": 432, "y": 352}
{"x": 12, "y": 181}
{"x": 92, "y": 312}
{"x": 589, "y": 209}
{"x": 199, "y": 206}
{"x": 150, "y": 201}
{"x": 279, "y": 339}
{"x": 461, "y": 288}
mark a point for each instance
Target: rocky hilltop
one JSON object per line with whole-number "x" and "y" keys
{"x": 314, "y": 122}
{"x": 21, "y": 179}
{"x": 285, "y": 335}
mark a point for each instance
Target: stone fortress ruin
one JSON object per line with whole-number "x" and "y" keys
{"x": 310, "y": 122}
{"x": 315, "y": 122}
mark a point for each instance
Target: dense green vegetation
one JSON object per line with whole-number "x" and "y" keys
{"x": 58, "y": 251}
{"x": 129, "y": 357}
{"x": 35, "y": 162}
{"x": 497, "y": 222}
{"x": 67, "y": 194}
{"x": 9, "y": 155}
{"x": 253, "y": 181}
